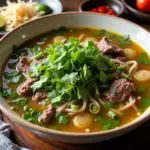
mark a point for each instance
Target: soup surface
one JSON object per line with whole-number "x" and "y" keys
{"x": 78, "y": 80}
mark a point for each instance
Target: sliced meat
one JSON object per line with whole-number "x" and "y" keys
{"x": 23, "y": 65}
{"x": 25, "y": 88}
{"x": 40, "y": 95}
{"x": 47, "y": 115}
{"x": 119, "y": 91}
{"x": 108, "y": 48}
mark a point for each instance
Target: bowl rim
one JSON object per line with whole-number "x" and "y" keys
{"x": 115, "y": 1}
{"x": 16, "y": 118}
{"x": 135, "y": 10}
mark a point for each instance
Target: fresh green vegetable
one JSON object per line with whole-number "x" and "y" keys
{"x": 13, "y": 77}
{"x": 26, "y": 108}
{"x": 70, "y": 69}
{"x": 42, "y": 9}
{"x": 142, "y": 90}
{"x": 121, "y": 68}
{"x": 124, "y": 40}
{"x": 74, "y": 107}
{"x": 111, "y": 114}
{"x": 36, "y": 50}
{"x": 2, "y": 21}
{"x": 108, "y": 124}
{"x": 19, "y": 101}
{"x": 94, "y": 108}
{"x": 144, "y": 59}
{"x": 5, "y": 92}
{"x": 32, "y": 116}
{"x": 109, "y": 105}
{"x": 145, "y": 102}
{"x": 124, "y": 75}
{"x": 38, "y": 56}
{"x": 62, "y": 118}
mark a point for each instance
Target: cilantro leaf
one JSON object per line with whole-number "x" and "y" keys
{"x": 108, "y": 124}
{"x": 38, "y": 84}
{"x": 20, "y": 101}
{"x": 144, "y": 59}
{"x": 145, "y": 102}
{"x": 62, "y": 118}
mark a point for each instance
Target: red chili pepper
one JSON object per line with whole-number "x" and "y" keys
{"x": 111, "y": 12}
{"x": 102, "y": 9}
{"x": 94, "y": 10}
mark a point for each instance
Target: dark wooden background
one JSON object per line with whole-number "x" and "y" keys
{"x": 138, "y": 139}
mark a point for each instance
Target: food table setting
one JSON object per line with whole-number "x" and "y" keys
{"x": 54, "y": 95}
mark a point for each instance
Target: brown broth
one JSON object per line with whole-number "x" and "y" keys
{"x": 130, "y": 113}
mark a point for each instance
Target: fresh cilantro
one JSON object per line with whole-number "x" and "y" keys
{"x": 62, "y": 118}
{"x": 19, "y": 101}
{"x": 68, "y": 70}
{"x": 32, "y": 116}
{"x": 145, "y": 102}
{"x": 34, "y": 70}
{"x": 142, "y": 90}
{"x": 124, "y": 40}
{"x": 36, "y": 49}
{"x": 8, "y": 92}
{"x": 38, "y": 84}
{"x": 13, "y": 77}
{"x": 144, "y": 59}
{"x": 109, "y": 105}
{"x": 108, "y": 124}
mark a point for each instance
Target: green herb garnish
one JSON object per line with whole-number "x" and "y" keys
{"x": 109, "y": 105}
{"x": 62, "y": 118}
{"x": 13, "y": 77}
{"x": 108, "y": 124}
{"x": 69, "y": 69}
{"x": 19, "y": 101}
{"x": 144, "y": 58}
{"x": 145, "y": 102}
{"x": 142, "y": 90}
{"x": 74, "y": 107}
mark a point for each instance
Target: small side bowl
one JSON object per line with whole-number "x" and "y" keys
{"x": 130, "y": 5}
{"x": 116, "y": 5}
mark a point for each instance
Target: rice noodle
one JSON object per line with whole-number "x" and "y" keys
{"x": 133, "y": 68}
{"x": 73, "y": 112}
{"x": 128, "y": 105}
{"x": 67, "y": 104}
{"x": 118, "y": 62}
{"x": 17, "y": 13}
{"x": 115, "y": 111}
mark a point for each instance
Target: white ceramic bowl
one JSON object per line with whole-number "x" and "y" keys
{"x": 74, "y": 19}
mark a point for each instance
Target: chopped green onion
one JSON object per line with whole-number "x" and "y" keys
{"x": 124, "y": 75}
{"x": 94, "y": 108}
{"x": 38, "y": 56}
{"x": 74, "y": 107}
{"x": 109, "y": 105}
{"x": 122, "y": 67}
{"x": 26, "y": 108}
{"x": 111, "y": 114}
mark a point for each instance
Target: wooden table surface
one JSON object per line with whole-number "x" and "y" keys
{"x": 138, "y": 139}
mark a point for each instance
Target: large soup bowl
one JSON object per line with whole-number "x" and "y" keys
{"x": 73, "y": 19}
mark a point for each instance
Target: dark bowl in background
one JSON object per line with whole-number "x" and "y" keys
{"x": 130, "y": 5}
{"x": 116, "y": 5}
